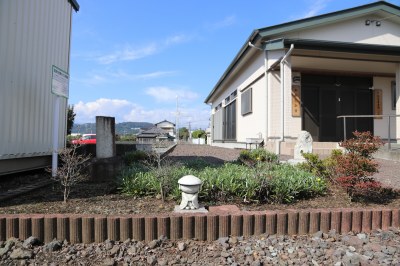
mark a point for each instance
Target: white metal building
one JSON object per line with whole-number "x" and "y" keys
{"x": 35, "y": 36}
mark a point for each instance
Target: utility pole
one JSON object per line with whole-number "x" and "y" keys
{"x": 190, "y": 130}
{"x": 177, "y": 121}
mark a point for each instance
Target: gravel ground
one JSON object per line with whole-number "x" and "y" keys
{"x": 375, "y": 248}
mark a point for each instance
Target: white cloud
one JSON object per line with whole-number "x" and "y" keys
{"x": 226, "y": 22}
{"x": 165, "y": 94}
{"x": 177, "y": 39}
{"x": 126, "y": 111}
{"x": 315, "y": 7}
{"x": 128, "y": 54}
{"x": 103, "y": 77}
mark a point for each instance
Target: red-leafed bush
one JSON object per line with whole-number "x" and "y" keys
{"x": 364, "y": 144}
{"x": 355, "y": 167}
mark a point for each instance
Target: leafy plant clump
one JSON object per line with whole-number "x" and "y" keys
{"x": 290, "y": 183}
{"x": 258, "y": 155}
{"x": 260, "y": 183}
{"x": 135, "y": 156}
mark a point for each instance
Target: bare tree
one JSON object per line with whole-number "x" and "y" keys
{"x": 71, "y": 170}
{"x": 161, "y": 167}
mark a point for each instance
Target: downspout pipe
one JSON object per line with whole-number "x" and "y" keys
{"x": 282, "y": 72}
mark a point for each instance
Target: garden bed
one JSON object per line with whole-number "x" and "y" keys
{"x": 104, "y": 198}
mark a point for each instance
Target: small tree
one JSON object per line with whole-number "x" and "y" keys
{"x": 71, "y": 170}
{"x": 199, "y": 133}
{"x": 183, "y": 133}
{"x": 70, "y": 119}
{"x": 161, "y": 168}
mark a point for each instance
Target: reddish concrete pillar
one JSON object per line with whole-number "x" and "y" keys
{"x": 248, "y": 225}
{"x": 336, "y": 220}
{"x": 200, "y": 227}
{"x": 2, "y": 228}
{"x": 100, "y": 229}
{"x": 386, "y": 219}
{"x": 259, "y": 224}
{"x": 138, "y": 228}
{"x": 163, "y": 226}
{"x": 270, "y": 223}
{"x": 376, "y": 219}
{"x": 346, "y": 224}
{"x": 125, "y": 228}
{"x": 188, "y": 227}
{"x": 236, "y": 225}
{"x": 325, "y": 221}
{"x": 304, "y": 222}
{"x": 314, "y": 221}
{"x": 50, "y": 228}
{"x": 366, "y": 221}
{"x": 150, "y": 228}
{"x": 12, "y": 226}
{"x": 356, "y": 221}
{"x": 24, "y": 227}
{"x": 75, "y": 229}
{"x": 176, "y": 227}
{"x": 212, "y": 227}
{"x": 224, "y": 225}
{"x": 38, "y": 227}
{"x": 113, "y": 228}
{"x": 395, "y": 218}
{"x": 281, "y": 223}
{"x": 293, "y": 221}
{"x": 87, "y": 229}
{"x": 63, "y": 227}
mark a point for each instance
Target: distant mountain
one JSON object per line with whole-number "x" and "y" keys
{"x": 120, "y": 128}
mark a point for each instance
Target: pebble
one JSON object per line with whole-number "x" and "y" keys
{"x": 374, "y": 248}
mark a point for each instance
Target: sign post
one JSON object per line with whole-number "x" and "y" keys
{"x": 59, "y": 87}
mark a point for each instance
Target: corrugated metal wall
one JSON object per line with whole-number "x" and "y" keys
{"x": 34, "y": 35}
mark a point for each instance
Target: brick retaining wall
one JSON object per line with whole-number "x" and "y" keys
{"x": 97, "y": 228}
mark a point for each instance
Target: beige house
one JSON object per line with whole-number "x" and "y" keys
{"x": 302, "y": 75}
{"x": 167, "y": 126}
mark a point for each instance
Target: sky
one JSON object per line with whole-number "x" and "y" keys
{"x": 147, "y": 61}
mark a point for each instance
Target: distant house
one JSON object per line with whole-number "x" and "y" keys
{"x": 167, "y": 126}
{"x": 303, "y": 74}
{"x": 153, "y": 134}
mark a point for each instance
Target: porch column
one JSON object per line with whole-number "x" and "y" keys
{"x": 398, "y": 102}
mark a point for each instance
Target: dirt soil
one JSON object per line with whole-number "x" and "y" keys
{"x": 104, "y": 198}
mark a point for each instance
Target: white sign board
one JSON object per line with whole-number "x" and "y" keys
{"x": 60, "y": 82}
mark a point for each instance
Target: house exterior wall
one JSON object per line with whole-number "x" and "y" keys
{"x": 34, "y": 36}
{"x": 354, "y": 30}
{"x": 381, "y": 125}
{"x": 267, "y": 102}
{"x": 167, "y": 126}
{"x": 250, "y": 76}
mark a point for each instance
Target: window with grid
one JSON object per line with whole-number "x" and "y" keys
{"x": 246, "y": 102}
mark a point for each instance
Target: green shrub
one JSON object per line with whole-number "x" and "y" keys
{"x": 259, "y": 155}
{"x": 199, "y": 133}
{"x": 290, "y": 183}
{"x": 228, "y": 182}
{"x": 135, "y": 156}
{"x": 314, "y": 165}
{"x": 261, "y": 183}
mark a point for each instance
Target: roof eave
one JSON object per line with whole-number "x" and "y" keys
{"x": 328, "y": 18}
{"x": 75, "y": 5}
